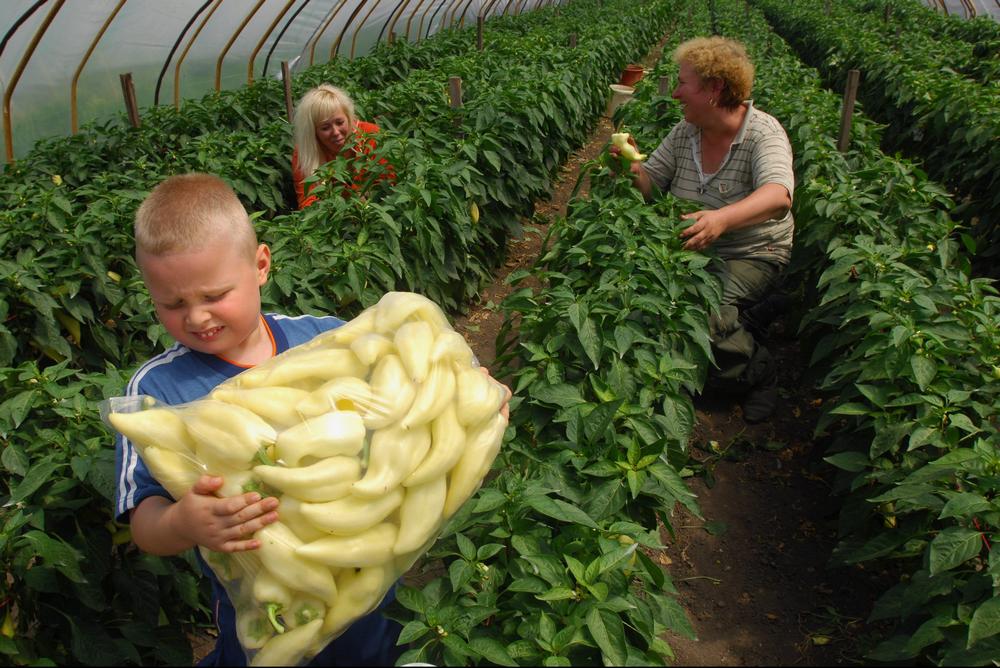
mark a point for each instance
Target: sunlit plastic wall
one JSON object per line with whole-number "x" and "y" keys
{"x": 55, "y": 51}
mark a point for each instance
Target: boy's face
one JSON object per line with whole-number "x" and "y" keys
{"x": 209, "y": 299}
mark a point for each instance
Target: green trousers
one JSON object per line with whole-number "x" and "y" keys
{"x": 741, "y": 360}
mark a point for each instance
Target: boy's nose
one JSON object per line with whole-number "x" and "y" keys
{"x": 197, "y": 316}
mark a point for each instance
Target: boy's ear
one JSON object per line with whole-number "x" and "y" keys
{"x": 263, "y": 263}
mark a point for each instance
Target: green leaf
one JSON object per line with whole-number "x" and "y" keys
{"x": 964, "y": 504}
{"x": 849, "y": 461}
{"x": 15, "y": 460}
{"x": 15, "y": 409}
{"x": 557, "y": 594}
{"x": 924, "y": 370}
{"x": 412, "y": 631}
{"x": 55, "y": 553}
{"x": 492, "y": 650}
{"x": 985, "y": 621}
{"x": 562, "y": 395}
{"x": 952, "y": 547}
{"x": 37, "y": 476}
{"x": 559, "y": 510}
{"x": 609, "y": 634}
{"x": 586, "y": 332}
{"x": 851, "y": 408}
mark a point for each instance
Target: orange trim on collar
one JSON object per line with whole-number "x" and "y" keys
{"x": 270, "y": 335}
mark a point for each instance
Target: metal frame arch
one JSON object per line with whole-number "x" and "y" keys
{"x": 409, "y": 21}
{"x": 454, "y": 10}
{"x": 180, "y": 61}
{"x": 74, "y": 125}
{"x": 319, "y": 34}
{"x": 461, "y": 18}
{"x": 19, "y": 70}
{"x": 281, "y": 33}
{"x": 173, "y": 49}
{"x": 430, "y": 24}
{"x": 262, "y": 40}
{"x": 229, "y": 43}
{"x": 393, "y": 18}
{"x": 354, "y": 38}
{"x": 490, "y": 4}
{"x": 420, "y": 27}
{"x": 335, "y": 47}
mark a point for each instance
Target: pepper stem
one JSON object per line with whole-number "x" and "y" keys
{"x": 272, "y": 616}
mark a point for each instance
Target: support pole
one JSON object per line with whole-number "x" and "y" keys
{"x": 286, "y": 81}
{"x": 128, "y": 92}
{"x": 479, "y": 32}
{"x": 847, "y": 110}
{"x": 455, "y": 96}
{"x": 572, "y": 40}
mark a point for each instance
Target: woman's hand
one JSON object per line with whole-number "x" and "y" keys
{"x": 709, "y": 225}
{"x": 616, "y": 153}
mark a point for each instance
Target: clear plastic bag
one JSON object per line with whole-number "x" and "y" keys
{"x": 372, "y": 435}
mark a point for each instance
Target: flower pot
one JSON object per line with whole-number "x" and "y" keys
{"x": 619, "y": 96}
{"x": 631, "y": 75}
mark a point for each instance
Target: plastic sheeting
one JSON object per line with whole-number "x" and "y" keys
{"x": 217, "y": 44}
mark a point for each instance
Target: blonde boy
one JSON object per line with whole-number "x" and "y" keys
{"x": 203, "y": 266}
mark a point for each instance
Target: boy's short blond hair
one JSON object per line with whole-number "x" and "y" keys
{"x": 185, "y": 211}
{"x": 723, "y": 59}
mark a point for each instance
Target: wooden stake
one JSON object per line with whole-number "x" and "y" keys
{"x": 663, "y": 86}
{"x": 128, "y": 92}
{"x": 572, "y": 40}
{"x": 847, "y": 110}
{"x": 479, "y": 32}
{"x": 286, "y": 80}
{"x": 455, "y": 95}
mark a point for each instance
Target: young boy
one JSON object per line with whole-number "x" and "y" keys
{"x": 203, "y": 267}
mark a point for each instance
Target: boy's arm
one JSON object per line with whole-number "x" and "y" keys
{"x": 164, "y": 527}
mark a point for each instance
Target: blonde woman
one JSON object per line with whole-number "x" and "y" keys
{"x": 737, "y": 161}
{"x": 325, "y": 127}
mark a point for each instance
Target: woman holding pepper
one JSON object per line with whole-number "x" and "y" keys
{"x": 737, "y": 161}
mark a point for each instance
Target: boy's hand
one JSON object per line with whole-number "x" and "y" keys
{"x": 222, "y": 524}
{"x": 505, "y": 409}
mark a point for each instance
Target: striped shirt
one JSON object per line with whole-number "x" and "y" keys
{"x": 760, "y": 154}
{"x": 180, "y": 375}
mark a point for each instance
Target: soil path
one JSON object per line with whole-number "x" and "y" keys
{"x": 753, "y": 573}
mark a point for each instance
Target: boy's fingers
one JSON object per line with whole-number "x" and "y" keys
{"x": 207, "y": 484}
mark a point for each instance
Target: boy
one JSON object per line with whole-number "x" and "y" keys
{"x": 200, "y": 260}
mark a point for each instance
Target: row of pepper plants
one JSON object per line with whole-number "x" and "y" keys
{"x": 76, "y": 319}
{"x": 907, "y": 343}
{"x": 951, "y": 122}
{"x": 932, "y": 39}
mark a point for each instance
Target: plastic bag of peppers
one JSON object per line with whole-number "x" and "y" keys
{"x": 372, "y": 435}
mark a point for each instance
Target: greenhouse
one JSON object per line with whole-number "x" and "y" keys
{"x": 500, "y": 332}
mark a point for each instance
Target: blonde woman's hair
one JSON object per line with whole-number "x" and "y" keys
{"x": 723, "y": 59}
{"x": 316, "y": 105}
{"x": 185, "y": 211}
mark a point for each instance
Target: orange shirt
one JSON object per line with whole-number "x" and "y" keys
{"x": 365, "y": 145}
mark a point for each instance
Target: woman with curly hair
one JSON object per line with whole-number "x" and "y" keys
{"x": 735, "y": 160}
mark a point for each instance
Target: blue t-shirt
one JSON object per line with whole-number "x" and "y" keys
{"x": 180, "y": 375}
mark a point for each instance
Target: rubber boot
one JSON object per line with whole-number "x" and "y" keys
{"x": 760, "y": 402}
